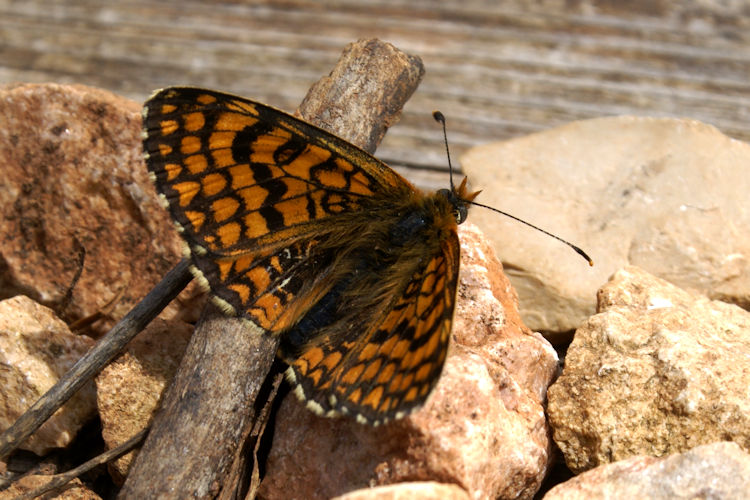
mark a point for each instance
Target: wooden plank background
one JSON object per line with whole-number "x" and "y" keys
{"x": 496, "y": 69}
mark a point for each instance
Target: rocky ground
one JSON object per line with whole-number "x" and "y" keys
{"x": 639, "y": 385}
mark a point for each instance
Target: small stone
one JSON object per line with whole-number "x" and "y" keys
{"x": 36, "y": 349}
{"x": 658, "y": 370}
{"x": 74, "y": 182}
{"x": 667, "y": 195}
{"x": 711, "y": 471}
{"x": 426, "y": 490}
{"x": 130, "y": 388}
{"x": 74, "y": 490}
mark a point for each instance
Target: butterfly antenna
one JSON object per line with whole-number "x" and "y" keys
{"x": 440, "y": 118}
{"x": 577, "y": 249}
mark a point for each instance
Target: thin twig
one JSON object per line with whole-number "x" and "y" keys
{"x": 59, "y": 480}
{"x": 68, "y": 297}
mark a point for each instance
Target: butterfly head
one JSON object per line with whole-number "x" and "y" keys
{"x": 460, "y": 199}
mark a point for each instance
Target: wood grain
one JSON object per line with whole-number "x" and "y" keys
{"x": 496, "y": 69}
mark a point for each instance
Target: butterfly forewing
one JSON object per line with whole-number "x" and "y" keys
{"x": 311, "y": 238}
{"x": 238, "y": 174}
{"x": 251, "y": 189}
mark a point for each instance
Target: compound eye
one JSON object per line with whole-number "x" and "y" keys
{"x": 460, "y": 212}
{"x": 459, "y": 206}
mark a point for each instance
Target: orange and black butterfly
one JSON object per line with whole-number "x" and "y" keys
{"x": 315, "y": 240}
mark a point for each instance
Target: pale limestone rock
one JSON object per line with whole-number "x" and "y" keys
{"x": 659, "y": 370}
{"x": 129, "y": 389}
{"x": 667, "y": 195}
{"x": 712, "y": 471}
{"x": 426, "y": 490}
{"x": 74, "y": 178}
{"x": 483, "y": 428}
{"x": 36, "y": 349}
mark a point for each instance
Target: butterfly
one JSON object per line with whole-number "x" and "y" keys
{"x": 314, "y": 240}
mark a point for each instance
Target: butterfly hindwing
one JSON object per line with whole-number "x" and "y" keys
{"x": 394, "y": 365}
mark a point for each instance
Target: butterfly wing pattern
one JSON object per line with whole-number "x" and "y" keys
{"x": 315, "y": 240}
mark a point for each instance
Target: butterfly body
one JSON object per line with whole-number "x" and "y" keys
{"x": 314, "y": 240}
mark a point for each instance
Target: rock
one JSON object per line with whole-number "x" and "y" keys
{"x": 667, "y": 195}
{"x": 36, "y": 348}
{"x": 74, "y": 490}
{"x": 130, "y": 388}
{"x": 73, "y": 180}
{"x": 483, "y": 428}
{"x": 426, "y": 490}
{"x": 717, "y": 470}
{"x": 658, "y": 370}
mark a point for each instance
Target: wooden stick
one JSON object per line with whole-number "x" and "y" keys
{"x": 93, "y": 361}
{"x": 189, "y": 450}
